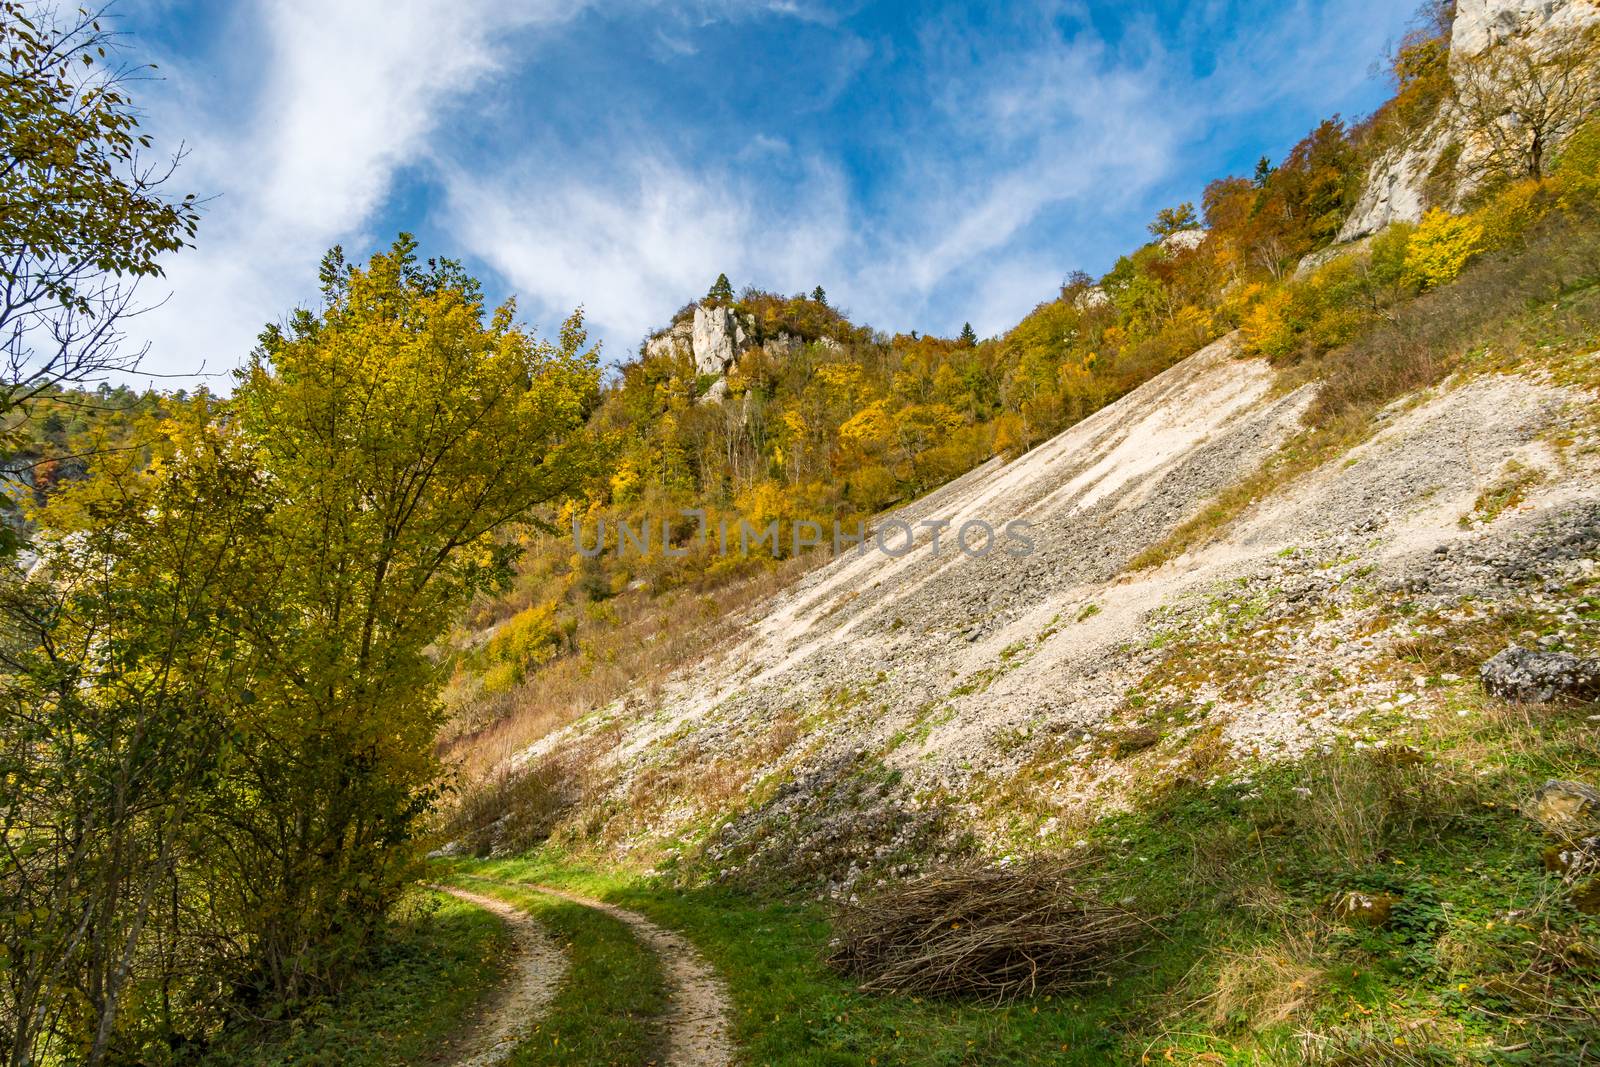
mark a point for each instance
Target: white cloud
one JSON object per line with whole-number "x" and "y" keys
{"x": 351, "y": 93}
{"x": 634, "y": 247}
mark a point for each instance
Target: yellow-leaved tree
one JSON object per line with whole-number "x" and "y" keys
{"x": 220, "y": 710}
{"x": 398, "y": 429}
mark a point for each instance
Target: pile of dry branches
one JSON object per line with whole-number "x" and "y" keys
{"x": 990, "y": 932}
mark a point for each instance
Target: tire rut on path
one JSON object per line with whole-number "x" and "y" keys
{"x": 511, "y": 1012}
{"x": 699, "y": 1033}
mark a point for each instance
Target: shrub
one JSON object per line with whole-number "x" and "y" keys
{"x": 1512, "y": 212}
{"x": 1388, "y": 250}
{"x": 1441, "y": 248}
{"x": 1577, "y": 172}
{"x": 526, "y": 639}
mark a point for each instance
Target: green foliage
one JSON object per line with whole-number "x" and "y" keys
{"x": 223, "y": 666}
{"x": 1171, "y": 220}
{"x": 721, "y": 291}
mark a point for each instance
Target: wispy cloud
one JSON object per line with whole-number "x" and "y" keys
{"x": 352, "y": 93}
{"x": 926, "y": 165}
{"x": 633, "y": 246}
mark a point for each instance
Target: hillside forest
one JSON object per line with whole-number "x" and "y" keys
{"x": 263, "y": 647}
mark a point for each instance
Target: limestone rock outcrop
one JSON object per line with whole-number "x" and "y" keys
{"x": 1481, "y": 24}
{"x": 1396, "y": 189}
{"x": 716, "y": 337}
{"x": 1528, "y": 675}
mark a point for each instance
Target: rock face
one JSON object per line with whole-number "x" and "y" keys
{"x": 1396, "y": 189}
{"x": 677, "y": 337}
{"x": 1481, "y": 24}
{"x": 1183, "y": 241}
{"x": 718, "y": 338}
{"x": 1538, "y": 677}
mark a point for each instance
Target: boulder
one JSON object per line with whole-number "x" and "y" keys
{"x": 1091, "y": 298}
{"x": 1531, "y": 676}
{"x": 1565, "y": 809}
{"x": 1183, "y": 241}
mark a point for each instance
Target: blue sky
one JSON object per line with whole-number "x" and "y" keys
{"x": 928, "y": 164}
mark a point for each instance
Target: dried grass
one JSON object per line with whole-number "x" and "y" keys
{"x": 993, "y": 933}
{"x": 646, "y": 641}
{"x": 1270, "y": 985}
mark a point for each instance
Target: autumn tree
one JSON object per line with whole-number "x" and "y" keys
{"x": 1520, "y": 100}
{"x": 216, "y": 692}
{"x": 399, "y": 428}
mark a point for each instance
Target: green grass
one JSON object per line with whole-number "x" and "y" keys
{"x": 1484, "y": 952}
{"x": 791, "y": 1010}
{"x": 402, "y": 1009}
{"x": 608, "y": 1008}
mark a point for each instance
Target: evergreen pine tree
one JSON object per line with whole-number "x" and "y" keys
{"x": 968, "y": 338}
{"x": 721, "y": 291}
{"x": 1263, "y": 172}
{"x": 820, "y": 295}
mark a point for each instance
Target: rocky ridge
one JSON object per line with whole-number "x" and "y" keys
{"x": 716, "y": 336}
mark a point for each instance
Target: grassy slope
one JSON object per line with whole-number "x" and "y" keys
{"x": 403, "y": 1008}
{"x": 1484, "y": 956}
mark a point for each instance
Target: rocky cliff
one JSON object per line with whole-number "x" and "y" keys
{"x": 1397, "y": 186}
{"x": 715, "y": 336}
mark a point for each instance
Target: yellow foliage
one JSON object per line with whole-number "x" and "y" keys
{"x": 794, "y": 423}
{"x": 1577, "y": 174}
{"x": 1009, "y": 437}
{"x": 627, "y": 482}
{"x": 526, "y": 639}
{"x": 1441, "y": 247}
{"x": 1512, "y": 211}
{"x": 1193, "y": 318}
{"x": 868, "y": 429}
{"x": 843, "y": 378}
{"x": 1267, "y": 327}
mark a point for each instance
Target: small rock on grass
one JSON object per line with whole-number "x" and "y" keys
{"x": 1586, "y": 897}
{"x": 1530, "y": 676}
{"x": 1565, "y": 809}
{"x": 1365, "y": 909}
